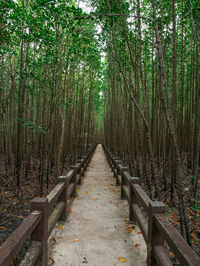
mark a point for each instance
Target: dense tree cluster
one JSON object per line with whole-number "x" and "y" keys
{"x": 49, "y": 86}
{"x": 57, "y": 98}
{"x": 152, "y": 102}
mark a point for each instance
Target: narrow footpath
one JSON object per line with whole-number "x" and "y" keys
{"x": 97, "y": 232}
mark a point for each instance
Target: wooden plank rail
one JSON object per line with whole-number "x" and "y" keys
{"x": 38, "y": 225}
{"x": 150, "y": 216}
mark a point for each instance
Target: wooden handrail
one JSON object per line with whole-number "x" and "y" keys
{"x": 156, "y": 228}
{"x": 38, "y": 225}
{"x": 17, "y": 239}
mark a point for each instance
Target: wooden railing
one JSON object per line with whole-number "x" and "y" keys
{"x": 39, "y": 224}
{"x": 150, "y": 216}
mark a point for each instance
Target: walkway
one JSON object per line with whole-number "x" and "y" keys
{"x": 97, "y": 232}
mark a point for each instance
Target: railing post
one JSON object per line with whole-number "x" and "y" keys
{"x": 123, "y": 181}
{"x": 155, "y": 237}
{"x": 133, "y": 199}
{"x": 74, "y": 193}
{"x": 41, "y": 232}
{"x": 80, "y": 171}
{"x": 84, "y": 164}
{"x": 63, "y": 196}
{"x": 113, "y": 163}
{"x": 117, "y": 172}
{"x": 116, "y": 169}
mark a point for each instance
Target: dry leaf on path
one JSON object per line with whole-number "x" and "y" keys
{"x": 60, "y": 227}
{"x": 139, "y": 233}
{"x": 85, "y": 260}
{"x": 122, "y": 259}
{"x": 53, "y": 241}
{"x": 3, "y": 227}
{"x": 137, "y": 245}
{"x": 51, "y": 261}
{"x": 75, "y": 240}
{"x": 69, "y": 210}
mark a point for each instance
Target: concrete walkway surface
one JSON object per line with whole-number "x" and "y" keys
{"x": 97, "y": 232}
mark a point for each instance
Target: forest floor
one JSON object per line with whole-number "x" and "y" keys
{"x": 97, "y": 231}
{"x": 15, "y": 208}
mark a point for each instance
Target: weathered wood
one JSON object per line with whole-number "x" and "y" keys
{"x": 70, "y": 174}
{"x": 126, "y": 193}
{"x": 63, "y": 196}
{"x": 79, "y": 179}
{"x": 118, "y": 180}
{"x": 41, "y": 231}
{"x": 55, "y": 216}
{"x": 123, "y": 180}
{"x": 142, "y": 197}
{"x": 16, "y": 240}
{"x": 141, "y": 219}
{"x": 70, "y": 190}
{"x": 133, "y": 199}
{"x": 161, "y": 256}
{"x": 74, "y": 180}
{"x": 55, "y": 193}
{"x": 155, "y": 238}
{"x": 126, "y": 176}
{"x": 184, "y": 253}
{"x": 32, "y": 254}
{"x": 76, "y": 166}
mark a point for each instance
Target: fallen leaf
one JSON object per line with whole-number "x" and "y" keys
{"x": 127, "y": 223}
{"x": 139, "y": 233}
{"x": 51, "y": 261}
{"x": 171, "y": 254}
{"x": 85, "y": 260}
{"x": 3, "y": 227}
{"x": 127, "y": 228}
{"x": 60, "y": 227}
{"x": 130, "y": 231}
{"x": 137, "y": 245}
{"x": 21, "y": 217}
{"x": 75, "y": 240}
{"x": 53, "y": 241}
{"x": 110, "y": 201}
{"x": 126, "y": 219}
{"x": 77, "y": 190}
{"x": 122, "y": 259}
{"x": 69, "y": 210}
{"x": 85, "y": 192}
